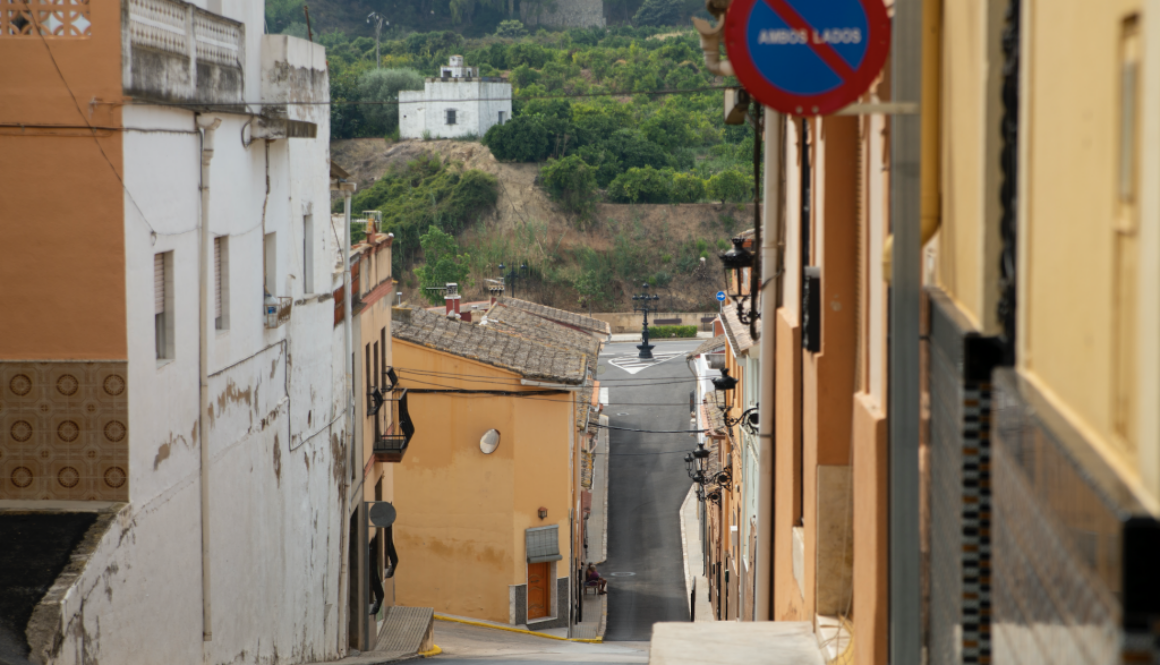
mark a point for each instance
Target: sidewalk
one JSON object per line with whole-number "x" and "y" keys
{"x": 595, "y": 607}
{"x": 695, "y": 579}
{"x": 635, "y": 337}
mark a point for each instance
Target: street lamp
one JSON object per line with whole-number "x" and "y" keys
{"x": 726, "y": 384}
{"x": 647, "y": 304}
{"x": 735, "y": 262}
{"x": 709, "y": 485}
{"x": 515, "y": 274}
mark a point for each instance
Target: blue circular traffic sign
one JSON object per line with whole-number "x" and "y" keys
{"x": 720, "y": 296}
{"x": 807, "y": 57}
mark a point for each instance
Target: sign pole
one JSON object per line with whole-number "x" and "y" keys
{"x": 905, "y": 294}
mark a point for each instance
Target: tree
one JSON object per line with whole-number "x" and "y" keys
{"x": 511, "y": 29}
{"x": 687, "y": 188}
{"x": 647, "y": 185}
{"x": 659, "y": 12}
{"x": 730, "y": 185}
{"x": 442, "y": 264}
{"x": 383, "y": 85}
{"x": 280, "y": 14}
{"x": 572, "y": 182}
{"x": 591, "y": 286}
{"x": 522, "y": 139}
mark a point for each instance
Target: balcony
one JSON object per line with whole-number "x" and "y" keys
{"x": 393, "y": 426}
{"x": 178, "y": 53}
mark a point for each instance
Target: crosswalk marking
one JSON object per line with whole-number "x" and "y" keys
{"x": 632, "y": 364}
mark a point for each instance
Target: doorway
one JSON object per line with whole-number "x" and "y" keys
{"x": 539, "y": 591}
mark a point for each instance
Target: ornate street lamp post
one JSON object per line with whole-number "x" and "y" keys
{"x": 647, "y": 304}
{"x": 515, "y": 274}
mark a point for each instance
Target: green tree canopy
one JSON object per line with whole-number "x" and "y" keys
{"x": 442, "y": 264}
{"x": 521, "y": 139}
{"x": 642, "y": 185}
{"x": 659, "y": 12}
{"x": 572, "y": 182}
{"x": 730, "y": 185}
{"x": 511, "y": 29}
{"x": 383, "y": 85}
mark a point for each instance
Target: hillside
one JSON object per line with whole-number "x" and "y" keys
{"x": 624, "y": 246}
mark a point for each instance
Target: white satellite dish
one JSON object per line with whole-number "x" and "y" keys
{"x": 489, "y": 441}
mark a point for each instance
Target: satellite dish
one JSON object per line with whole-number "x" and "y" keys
{"x": 489, "y": 441}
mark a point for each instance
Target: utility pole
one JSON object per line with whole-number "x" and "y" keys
{"x": 378, "y": 21}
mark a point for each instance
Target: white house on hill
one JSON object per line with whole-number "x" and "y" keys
{"x": 456, "y": 104}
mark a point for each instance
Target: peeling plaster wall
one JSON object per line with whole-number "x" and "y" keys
{"x": 274, "y": 422}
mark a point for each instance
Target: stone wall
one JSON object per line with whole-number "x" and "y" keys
{"x": 564, "y": 13}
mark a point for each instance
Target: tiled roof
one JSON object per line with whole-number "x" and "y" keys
{"x": 519, "y": 321}
{"x": 714, "y": 418}
{"x": 708, "y": 346}
{"x": 737, "y": 332}
{"x": 530, "y": 357}
{"x": 560, "y": 316}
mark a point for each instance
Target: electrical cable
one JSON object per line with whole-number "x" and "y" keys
{"x": 654, "y": 431}
{"x": 666, "y": 91}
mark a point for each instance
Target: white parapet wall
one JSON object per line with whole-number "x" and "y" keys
{"x": 449, "y": 108}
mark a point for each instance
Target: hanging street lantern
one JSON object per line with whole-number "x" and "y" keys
{"x": 735, "y": 262}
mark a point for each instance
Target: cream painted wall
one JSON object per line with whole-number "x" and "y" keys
{"x": 462, "y": 514}
{"x": 1070, "y": 126}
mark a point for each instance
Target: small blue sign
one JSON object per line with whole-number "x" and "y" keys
{"x": 720, "y": 296}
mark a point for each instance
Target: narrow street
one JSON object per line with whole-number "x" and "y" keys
{"x": 471, "y": 645}
{"x": 647, "y": 483}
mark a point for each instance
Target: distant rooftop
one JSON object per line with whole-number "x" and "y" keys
{"x": 527, "y": 355}
{"x": 571, "y": 319}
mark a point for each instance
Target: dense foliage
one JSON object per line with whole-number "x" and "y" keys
{"x": 571, "y": 182}
{"x": 582, "y": 93}
{"x": 424, "y": 193}
{"x": 442, "y": 264}
{"x": 672, "y": 331}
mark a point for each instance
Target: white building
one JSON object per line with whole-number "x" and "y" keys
{"x": 223, "y": 506}
{"x": 458, "y": 104}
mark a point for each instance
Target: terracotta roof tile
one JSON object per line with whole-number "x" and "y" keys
{"x": 559, "y": 315}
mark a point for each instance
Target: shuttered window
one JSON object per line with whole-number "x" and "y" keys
{"x": 217, "y": 282}
{"x": 158, "y": 284}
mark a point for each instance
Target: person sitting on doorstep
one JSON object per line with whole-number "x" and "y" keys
{"x": 594, "y": 579}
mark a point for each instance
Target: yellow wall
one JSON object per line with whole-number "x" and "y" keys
{"x": 61, "y": 203}
{"x": 462, "y": 514}
{"x": 1070, "y": 127}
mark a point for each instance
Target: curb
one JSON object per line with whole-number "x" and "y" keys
{"x": 482, "y": 624}
{"x": 433, "y": 651}
{"x": 606, "y": 455}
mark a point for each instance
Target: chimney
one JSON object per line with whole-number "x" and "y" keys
{"x": 451, "y": 299}
{"x": 401, "y": 315}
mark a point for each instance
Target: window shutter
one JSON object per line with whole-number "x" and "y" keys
{"x": 158, "y": 283}
{"x": 217, "y": 278}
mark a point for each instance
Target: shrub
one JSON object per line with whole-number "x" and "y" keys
{"x": 572, "y": 182}
{"x": 687, "y": 188}
{"x": 647, "y": 185}
{"x": 443, "y": 264}
{"x": 730, "y": 185}
{"x": 658, "y": 12}
{"x": 512, "y": 29}
{"x": 672, "y": 331}
{"x": 523, "y": 139}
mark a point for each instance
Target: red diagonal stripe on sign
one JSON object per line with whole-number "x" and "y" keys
{"x": 824, "y": 51}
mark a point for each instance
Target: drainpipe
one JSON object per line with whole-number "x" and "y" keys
{"x": 771, "y": 267}
{"x": 207, "y": 125}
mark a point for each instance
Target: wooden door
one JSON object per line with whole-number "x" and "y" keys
{"x": 539, "y": 591}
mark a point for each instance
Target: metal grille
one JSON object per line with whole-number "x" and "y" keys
{"x": 158, "y": 284}
{"x": 946, "y": 459}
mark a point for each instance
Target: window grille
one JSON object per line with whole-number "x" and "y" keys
{"x": 451, "y": 116}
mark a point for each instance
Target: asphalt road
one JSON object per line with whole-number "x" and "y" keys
{"x": 646, "y": 485}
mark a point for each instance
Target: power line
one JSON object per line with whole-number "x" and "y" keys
{"x": 234, "y": 105}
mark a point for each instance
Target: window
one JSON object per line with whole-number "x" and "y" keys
{"x": 451, "y": 116}
{"x": 308, "y": 253}
{"x": 163, "y": 305}
{"x": 270, "y": 264}
{"x": 1125, "y": 294}
{"x": 221, "y": 283}
{"x": 370, "y": 372}
{"x": 502, "y": 117}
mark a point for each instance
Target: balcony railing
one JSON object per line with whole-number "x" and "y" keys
{"x": 393, "y": 426}
{"x": 178, "y": 52}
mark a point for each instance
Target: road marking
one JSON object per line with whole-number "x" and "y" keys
{"x": 621, "y": 574}
{"x": 632, "y": 364}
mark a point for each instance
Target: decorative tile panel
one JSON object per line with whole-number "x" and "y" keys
{"x": 64, "y": 430}
{"x": 54, "y": 18}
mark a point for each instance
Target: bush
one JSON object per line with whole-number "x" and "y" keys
{"x": 659, "y": 12}
{"x": 672, "y": 331}
{"x": 730, "y": 186}
{"x": 687, "y": 188}
{"x": 383, "y": 85}
{"x": 522, "y": 139}
{"x": 647, "y": 185}
{"x": 572, "y": 182}
{"x": 443, "y": 264}
{"x": 512, "y": 29}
